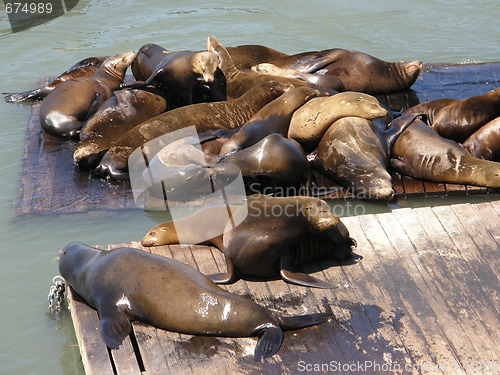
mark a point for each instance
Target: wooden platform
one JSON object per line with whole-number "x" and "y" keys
{"x": 61, "y": 188}
{"x": 421, "y": 298}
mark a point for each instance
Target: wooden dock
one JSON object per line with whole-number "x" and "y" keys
{"x": 61, "y": 188}
{"x": 421, "y": 297}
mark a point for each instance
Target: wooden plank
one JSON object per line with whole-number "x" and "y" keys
{"x": 434, "y": 188}
{"x": 95, "y": 357}
{"x": 455, "y": 189}
{"x": 411, "y": 288}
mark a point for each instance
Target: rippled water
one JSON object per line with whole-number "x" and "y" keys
{"x": 432, "y": 31}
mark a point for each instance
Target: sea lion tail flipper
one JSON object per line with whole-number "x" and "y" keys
{"x": 289, "y": 274}
{"x": 19, "y": 97}
{"x": 270, "y": 339}
{"x": 225, "y": 278}
{"x": 301, "y": 321}
{"x": 115, "y": 326}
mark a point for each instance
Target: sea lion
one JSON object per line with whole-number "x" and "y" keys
{"x": 146, "y": 60}
{"x": 183, "y": 168}
{"x": 274, "y": 117}
{"x": 422, "y": 153}
{"x": 485, "y": 142}
{"x": 178, "y": 72}
{"x": 358, "y": 71}
{"x": 82, "y": 68}
{"x": 309, "y": 122}
{"x": 323, "y": 80}
{"x": 127, "y": 284}
{"x": 71, "y": 103}
{"x": 217, "y": 115}
{"x": 246, "y": 56}
{"x": 459, "y": 119}
{"x": 277, "y": 235}
{"x": 355, "y": 153}
{"x": 239, "y": 82}
{"x": 116, "y": 116}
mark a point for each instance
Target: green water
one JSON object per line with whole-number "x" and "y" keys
{"x": 431, "y": 30}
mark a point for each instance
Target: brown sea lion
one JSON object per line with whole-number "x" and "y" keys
{"x": 146, "y": 60}
{"x": 272, "y": 162}
{"x": 217, "y": 115}
{"x": 82, "y": 68}
{"x": 177, "y": 73}
{"x": 274, "y": 117}
{"x": 459, "y": 119}
{"x": 355, "y": 153}
{"x": 116, "y": 116}
{"x": 485, "y": 142}
{"x": 322, "y": 80}
{"x": 70, "y": 104}
{"x": 127, "y": 284}
{"x": 310, "y": 122}
{"x": 246, "y": 56}
{"x": 421, "y": 153}
{"x": 358, "y": 71}
{"x": 277, "y": 235}
{"x": 239, "y": 82}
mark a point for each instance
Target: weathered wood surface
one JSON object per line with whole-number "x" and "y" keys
{"x": 50, "y": 183}
{"x": 422, "y": 297}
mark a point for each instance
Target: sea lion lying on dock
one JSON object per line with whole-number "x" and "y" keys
{"x": 277, "y": 235}
{"x": 127, "y": 284}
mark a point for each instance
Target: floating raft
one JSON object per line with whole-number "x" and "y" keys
{"x": 421, "y": 298}
{"x": 61, "y": 188}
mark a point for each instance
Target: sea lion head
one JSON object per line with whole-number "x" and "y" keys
{"x": 74, "y": 258}
{"x": 205, "y": 64}
{"x": 161, "y": 234}
{"x": 366, "y": 105}
{"x": 116, "y": 65}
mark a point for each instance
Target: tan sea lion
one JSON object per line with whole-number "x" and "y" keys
{"x": 177, "y": 73}
{"x": 323, "y": 80}
{"x": 421, "y": 153}
{"x": 459, "y": 119}
{"x": 116, "y": 116}
{"x": 485, "y": 142}
{"x": 82, "y": 68}
{"x": 274, "y": 117}
{"x": 355, "y": 153}
{"x": 246, "y": 56}
{"x": 239, "y": 82}
{"x": 71, "y": 103}
{"x": 217, "y": 115}
{"x": 310, "y": 122}
{"x": 127, "y": 284}
{"x": 277, "y": 235}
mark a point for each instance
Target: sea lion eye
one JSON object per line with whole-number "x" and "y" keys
{"x": 163, "y": 229}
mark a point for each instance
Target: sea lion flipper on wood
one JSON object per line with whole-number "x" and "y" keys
{"x": 229, "y": 277}
{"x": 115, "y": 324}
{"x": 289, "y": 274}
{"x": 270, "y": 339}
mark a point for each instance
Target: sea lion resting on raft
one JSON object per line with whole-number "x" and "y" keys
{"x": 71, "y": 103}
{"x": 176, "y": 73}
{"x": 459, "y": 119}
{"x": 358, "y": 71}
{"x": 127, "y": 284}
{"x": 422, "y": 153}
{"x": 277, "y": 235}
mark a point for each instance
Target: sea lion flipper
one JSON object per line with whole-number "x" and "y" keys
{"x": 115, "y": 326}
{"x": 289, "y": 274}
{"x": 315, "y": 62}
{"x": 228, "y": 277}
{"x": 270, "y": 339}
